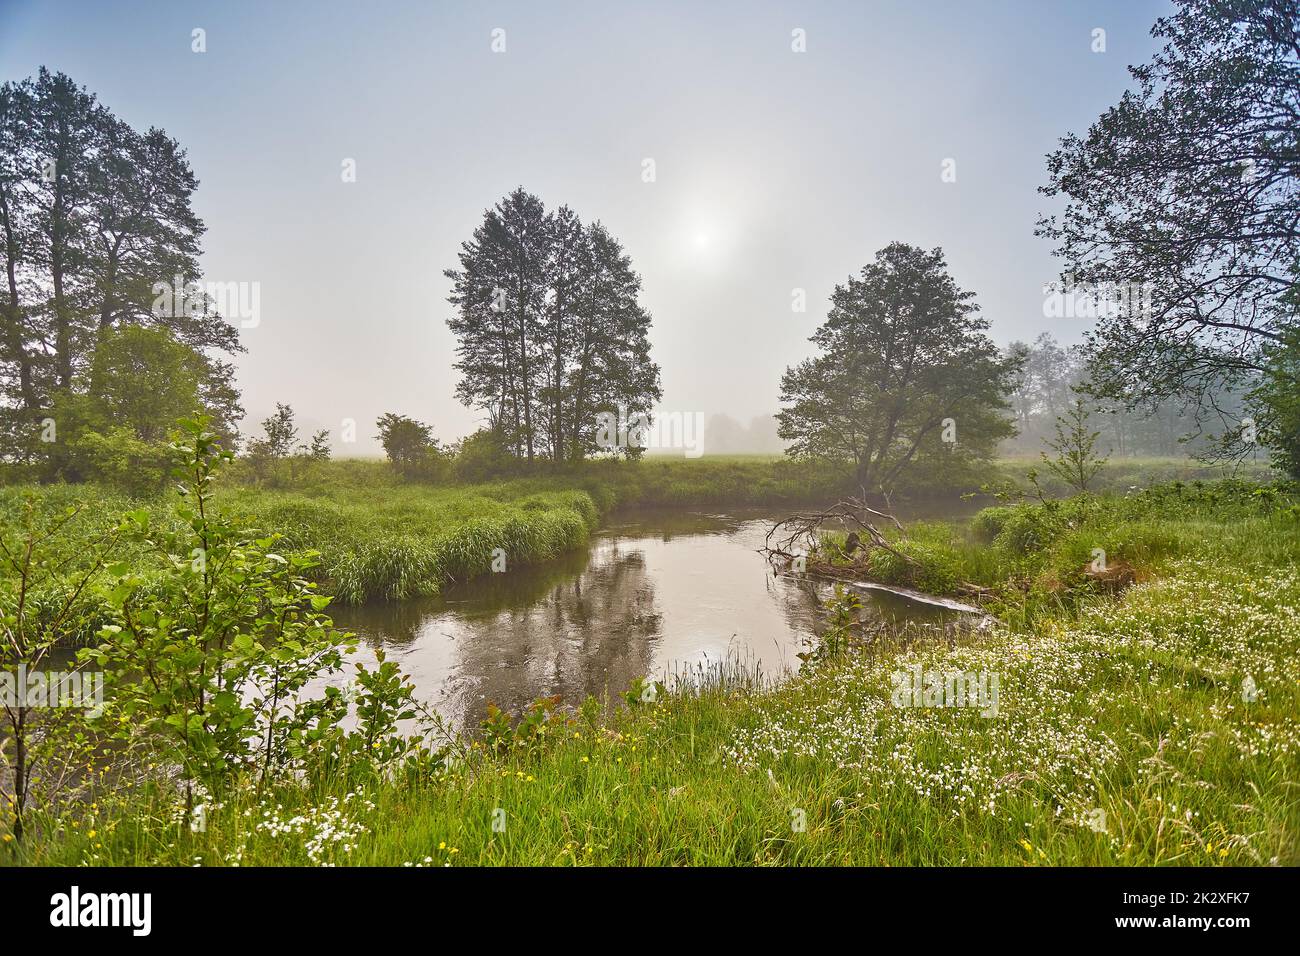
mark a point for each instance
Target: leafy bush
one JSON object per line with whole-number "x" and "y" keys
{"x": 214, "y": 637}
{"x": 933, "y": 568}
{"x": 206, "y": 659}
{"x": 484, "y": 456}
{"x": 117, "y": 456}
{"x": 989, "y": 523}
{"x": 1030, "y": 528}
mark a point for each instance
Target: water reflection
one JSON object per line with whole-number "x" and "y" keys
{"x": 652, "y": 592}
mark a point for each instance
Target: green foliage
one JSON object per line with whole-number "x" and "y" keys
{"x": 117, "y": 457}
{"x": 906, "y": 378}
{"x": 277, "y": 458}
{"x": 1179, "y": 200}
{"x": 989, "y": 522}
{"x": 208, "y": 659}
{"x": 933, "y": 572}
{"x": 1133, "y": 707}
{"x": 212, "y": 637}
{"x": 549, "y": 330}
{"x": 643, "y": 692}
{"x": 1076, "y": 461}
{"x": 317, "y": 742}
{"x": 144, "y": 379}
{"x": 141, "y": 380}
{"x": 47, "y": 569}
{"x": 484, "y": 456}
{"x": 710, "y": 776}
{"x": 541, "y": 721}
{"x": 412, "y": 450}
{"x": 1278, "y": 398}
{"x": 279, "y": 432}
{"x": 96, "y": 219}
{"x": 843, "y": 616}
{"x": 1034, "y": 558}
{"x": 414, "y": 539}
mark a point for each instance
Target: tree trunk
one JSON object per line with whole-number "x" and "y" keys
{"x": 58, "y": 249}
{"x": 14, "y": 322}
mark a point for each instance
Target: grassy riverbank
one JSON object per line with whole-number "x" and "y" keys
{"x": 1042, "y": 558}
{"x": 1157, "y": 725}
{"x": 380, "y": 538}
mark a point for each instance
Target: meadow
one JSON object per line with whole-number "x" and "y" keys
{"x": 1146, "y": 722}
{"x": 382, "y": 538}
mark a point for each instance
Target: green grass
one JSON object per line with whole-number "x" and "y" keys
{"x": 1124, "y": 474}
{"x": 1124, "y": 735}
{"x": 1035, "y": 558}
{"x": 382, "y": 539}
{"x": 408, "y": 541}
{"x": 1133, "y": 710}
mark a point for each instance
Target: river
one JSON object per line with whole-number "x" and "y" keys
{"x": 654, "y": 593}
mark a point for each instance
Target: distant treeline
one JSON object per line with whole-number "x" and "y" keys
{"x": 1048, "y": 385}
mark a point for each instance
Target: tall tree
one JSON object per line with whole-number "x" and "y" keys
{"x": 92, "y": 216}
{"x": 566, "y": 276}
{"x": 500, "y": 292}
{"x": 612, "y": 368}
{"x": 18, "y": 172}
{"x": 550, "y": 332}
{"x": 1186, "y": 191}
{"x": 68, "y": 129}
{"x": 905, "y": 374}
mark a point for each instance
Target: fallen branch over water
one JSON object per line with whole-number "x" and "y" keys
{"x": 796, "y": 543}
{"x": 799, "y": 535}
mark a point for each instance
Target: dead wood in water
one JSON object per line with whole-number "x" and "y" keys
{"x": 803, "y": 531}
{"x": 799, "y": 537}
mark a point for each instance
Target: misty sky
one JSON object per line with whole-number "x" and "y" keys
{"x": 775, "y": 170}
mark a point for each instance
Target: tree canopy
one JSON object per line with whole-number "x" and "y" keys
{"x": 1187, "y": 190}
{"x": 93, "y": 214}
{"x": 905, "y": 374}
{"x": 550, "y": 332}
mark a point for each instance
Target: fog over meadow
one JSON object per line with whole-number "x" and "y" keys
{"x": 786, "y": 144}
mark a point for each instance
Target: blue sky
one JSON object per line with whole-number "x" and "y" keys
{"x": 775, "y": 170}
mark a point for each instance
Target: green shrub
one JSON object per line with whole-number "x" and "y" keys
{"x": 484, "y": 456}
{"x": 989, "y": 523}
{"x": 208, "y": 655}
{"x": 1029, "y": 528}
{"x": 117, "y": 457}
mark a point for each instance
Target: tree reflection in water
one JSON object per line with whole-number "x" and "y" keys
{"x": 652, "y": 593}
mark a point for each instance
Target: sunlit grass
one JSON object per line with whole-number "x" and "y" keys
{"x": 1153, "y": 726}
{"x": 1124, "y": 736}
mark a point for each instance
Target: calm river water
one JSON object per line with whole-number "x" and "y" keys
{"x": 654, "y": 592}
